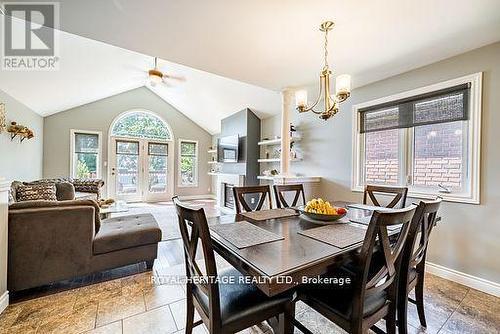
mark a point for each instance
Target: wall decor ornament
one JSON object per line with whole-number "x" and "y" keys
{"x": 20, "y": 131}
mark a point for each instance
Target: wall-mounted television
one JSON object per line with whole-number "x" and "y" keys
{"x": 227, "y": 149}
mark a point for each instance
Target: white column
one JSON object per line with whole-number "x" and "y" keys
{"x": 287, "y": 96}
{"x": 4, "y": 203}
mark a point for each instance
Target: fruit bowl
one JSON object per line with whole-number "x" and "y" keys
{"x": 320, "y": 216}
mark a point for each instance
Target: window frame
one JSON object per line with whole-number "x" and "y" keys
{"x": 72, "y": 159}
{"x": 197, "y": 168}
{"x": 471, "y": 194}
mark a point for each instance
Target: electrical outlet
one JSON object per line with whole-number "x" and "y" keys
{"x": 252, "y": 200}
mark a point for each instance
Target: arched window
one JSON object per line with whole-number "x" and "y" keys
{"x": 141, "y": 124}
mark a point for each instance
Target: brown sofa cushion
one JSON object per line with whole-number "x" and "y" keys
{"x": 88, "y": 185}
{"x": 61, "y": 204}
{"x": 65, "y": 191}
{"x": 126, "y": 232}
{"x": 36, "y": 192}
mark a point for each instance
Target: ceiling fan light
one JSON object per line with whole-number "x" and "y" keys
{"x": 154, "y": 79}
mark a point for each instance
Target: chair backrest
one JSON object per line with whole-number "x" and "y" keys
{"x": 240, "y": 202}
{"x": 374, "y": 276}
{"x": 418, "y": 235}
{"x": 399, "y": 192}
{"x": 281, "y": 189}
{"x": 194, "y": 229}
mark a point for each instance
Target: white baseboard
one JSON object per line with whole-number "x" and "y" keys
{"x": 4, "y": 301}
{"x": 474, "y": 282}
{"x": 192, "y": 197}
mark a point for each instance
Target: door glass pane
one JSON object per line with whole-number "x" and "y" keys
{"x": 382, "y": 157}
{"x": 127, "y": 147}
{"x": 439, "y": 155}
{"x": 158, "y": 149}
{"x": 157, "y": 167}
{"x": 127, "y": 167}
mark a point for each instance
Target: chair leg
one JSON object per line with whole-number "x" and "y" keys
{"x": 286, "y": 319}
{"x": 390, "y": 320}
{"x": 189, "y": 316}
{"x": 402, "y": 314}
{"x": 419, "y": 298}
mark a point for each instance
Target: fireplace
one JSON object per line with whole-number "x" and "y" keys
{"x": 228, "y": 196}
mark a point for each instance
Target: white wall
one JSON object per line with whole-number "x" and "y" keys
{"x": 21, "y": 161}
{"x": 467, "y": 238}
{"x": 99, "y": 115}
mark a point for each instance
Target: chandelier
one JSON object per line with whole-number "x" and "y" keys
{"x": 342, "y": 86}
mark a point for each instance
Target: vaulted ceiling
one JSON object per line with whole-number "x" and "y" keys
{"x": 236, "y": 54}
{"x": 276, "y": 43}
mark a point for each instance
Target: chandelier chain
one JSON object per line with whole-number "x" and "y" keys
{"x": 326, "y": 51}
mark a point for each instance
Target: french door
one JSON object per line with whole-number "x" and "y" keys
{"x": 140, "y": 170}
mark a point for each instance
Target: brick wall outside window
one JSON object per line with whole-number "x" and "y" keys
{"x": 381, "y": 157}
{"x": 438, "y": 156}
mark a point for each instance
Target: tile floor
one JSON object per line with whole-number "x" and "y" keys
{"x": 128, "y": 301}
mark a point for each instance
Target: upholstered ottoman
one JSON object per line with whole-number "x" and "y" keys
{"x": 126, "y": 233}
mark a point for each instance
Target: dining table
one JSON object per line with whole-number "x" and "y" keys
{"x": 283, "y": 264}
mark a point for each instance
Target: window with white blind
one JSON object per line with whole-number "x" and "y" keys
{"x": 85, "y": 155}
{"x": 427, "y": 139}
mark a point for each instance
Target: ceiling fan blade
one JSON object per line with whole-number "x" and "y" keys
{"x": 174, "y": 77}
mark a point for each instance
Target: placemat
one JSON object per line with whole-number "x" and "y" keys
{"x": 338, "y": 235}
{"x": 270, "y": 214}
{"x": 244, "y": 234}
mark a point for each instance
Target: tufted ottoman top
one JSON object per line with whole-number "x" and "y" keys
{"x": 126, "y": 232}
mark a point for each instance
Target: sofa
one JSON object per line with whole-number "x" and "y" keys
{"x": 67, "y": 188}
{"x": 50, "y": 241}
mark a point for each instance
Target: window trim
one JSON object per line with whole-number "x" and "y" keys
{"x": 72, "y": 162}
{"x": 179, "y": 174}
{"x": 472, "y": 195}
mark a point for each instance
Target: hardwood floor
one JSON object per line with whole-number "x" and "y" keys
{"x": 128, "y": 300}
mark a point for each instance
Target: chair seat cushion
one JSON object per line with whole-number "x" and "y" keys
{"x": 240, "y": 300}
{"x": 339, "y": 299}
{"x": 126, "y": 232}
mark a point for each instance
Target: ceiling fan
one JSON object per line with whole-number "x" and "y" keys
{"x": 157, "y": 77}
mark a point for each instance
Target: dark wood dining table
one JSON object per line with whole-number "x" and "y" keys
{"x": 281, "y": 265}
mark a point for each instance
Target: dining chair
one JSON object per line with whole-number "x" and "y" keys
{"x": 372, "y": 296}
{"x": 225, "y": 303}
{"x": 239, "y": 197}
{"x": 413, "y": 262}
{"x": 398, "y": 192}
{"x": 281, "y": 189}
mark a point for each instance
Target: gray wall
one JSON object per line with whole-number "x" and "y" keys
{"x": 99, "y": 115}
{"x": 467, "y": 238}
{"x": 21, "y": 161}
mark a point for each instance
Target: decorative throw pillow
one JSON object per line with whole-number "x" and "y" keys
{"x": 36, "y": 192}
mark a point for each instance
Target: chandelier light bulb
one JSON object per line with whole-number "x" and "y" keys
{"x": 343, "y": 84}
{"x": 301, "y": 98}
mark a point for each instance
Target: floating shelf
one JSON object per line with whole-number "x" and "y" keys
{"x": 263, "y": 177}
{"x": 277, "y": 160}
{"x": 213, "y": 162}
{"x": 212, "y": 151}
{"x": 270, "y": 142}
{"x": 277, "y": 141}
